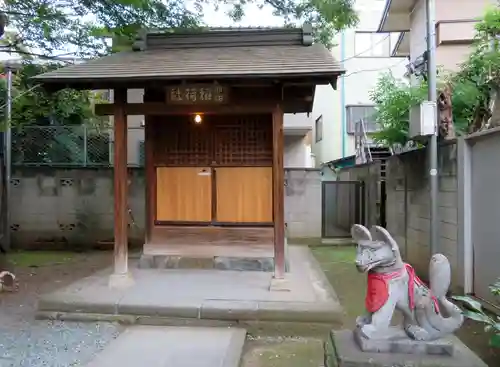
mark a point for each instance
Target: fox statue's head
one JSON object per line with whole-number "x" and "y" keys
{"x": 376, "y": 250}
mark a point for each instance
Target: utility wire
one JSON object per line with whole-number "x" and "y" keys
{"x": 386, "y": 67}
{"x": 372, "y": 70}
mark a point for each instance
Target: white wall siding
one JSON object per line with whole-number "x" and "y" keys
{"x": 362, "y": 74}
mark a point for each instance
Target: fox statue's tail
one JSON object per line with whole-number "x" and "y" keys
{"x": 449, "y": 317}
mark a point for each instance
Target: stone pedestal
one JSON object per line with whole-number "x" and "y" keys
{"x": 404, "y": 345}
{"x": 343, "y": 349}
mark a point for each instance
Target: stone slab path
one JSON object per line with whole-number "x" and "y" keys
{"x": 201, "y": 294}
{"x": 152, "y": 346}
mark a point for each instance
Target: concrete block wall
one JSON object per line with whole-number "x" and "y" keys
{"x": 408, "y": 208}
{"x": 303, "y": 203}
{"x": 73, "y": 207}
{"x": 67, "y": 208}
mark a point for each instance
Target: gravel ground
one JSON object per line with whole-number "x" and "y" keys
{"x": 26, "y": 342}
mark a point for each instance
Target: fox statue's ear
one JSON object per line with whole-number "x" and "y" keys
{"x": 381, "y": 234}
{"x": 360, "y": 233}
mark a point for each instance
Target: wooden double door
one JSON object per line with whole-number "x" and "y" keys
{"x": 214, "y": 195}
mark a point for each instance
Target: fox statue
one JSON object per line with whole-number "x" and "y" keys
{"x": 392, "y": 284}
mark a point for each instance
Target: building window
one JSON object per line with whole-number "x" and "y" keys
{"x": 372, "y": 44}
{"x": 361, "y": 112}
{"x": 318, "y": 128}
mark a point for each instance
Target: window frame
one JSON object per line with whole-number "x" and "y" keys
{"x": 351, "y": 125}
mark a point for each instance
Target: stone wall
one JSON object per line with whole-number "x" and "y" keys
{"x": 73, "y": 207}
{"x": 408, "y": 208}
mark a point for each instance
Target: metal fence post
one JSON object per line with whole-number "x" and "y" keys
{"x": 8, "y": 158}
{"x": 85, "y": 147}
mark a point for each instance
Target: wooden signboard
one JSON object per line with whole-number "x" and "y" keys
{"x": 197, "y": 94}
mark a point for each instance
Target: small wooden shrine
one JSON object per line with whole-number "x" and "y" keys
{"x": 214, "y": 101}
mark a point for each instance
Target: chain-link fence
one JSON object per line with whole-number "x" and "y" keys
{"x": 72, "y": 145}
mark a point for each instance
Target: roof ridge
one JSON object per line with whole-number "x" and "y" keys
{"x": 223, "y": 37}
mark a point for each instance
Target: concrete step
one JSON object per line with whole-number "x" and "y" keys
{"x": 216, "y": 262}
{"x": 151, "y": 346}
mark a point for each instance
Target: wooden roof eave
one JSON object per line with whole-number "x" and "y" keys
{"x": 313, "y": 79}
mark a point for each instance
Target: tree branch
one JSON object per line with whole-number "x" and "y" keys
{"x": 42, "y": 56}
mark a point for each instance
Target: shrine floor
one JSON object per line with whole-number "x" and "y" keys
{"x": 201, "y": 296}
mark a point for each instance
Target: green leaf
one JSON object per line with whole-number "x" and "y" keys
{"x": 477, "y": 316}
{"x": 495, "y": 341}
{"x": 469, "y": 302}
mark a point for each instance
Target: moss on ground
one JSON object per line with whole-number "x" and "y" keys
{"x": 283, "y": 352}
{"x": 25, "y": 259}
{"x": 338, "y": 265}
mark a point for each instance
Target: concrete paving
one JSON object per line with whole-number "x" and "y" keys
{"x": 202, "y": 294}
{"x": 153, "y": 346}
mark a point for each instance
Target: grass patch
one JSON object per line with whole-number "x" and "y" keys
{"x": 301, "y": 352}
{"x": 335, "y": 254}
{"x": 36, "y": 259}
{"x": 337, "y": 263}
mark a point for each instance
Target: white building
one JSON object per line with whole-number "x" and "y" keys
{"x": 365, "y": 55}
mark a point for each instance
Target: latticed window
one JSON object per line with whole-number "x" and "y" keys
{"x": 142, "y": 154}
{"x": 223, "y": 141}
{"x": 356, "y": 113}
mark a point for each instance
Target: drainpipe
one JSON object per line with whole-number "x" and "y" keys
{"x": 342, "y": 96}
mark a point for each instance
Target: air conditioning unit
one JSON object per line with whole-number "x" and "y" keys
{"x": 423, "y": 119}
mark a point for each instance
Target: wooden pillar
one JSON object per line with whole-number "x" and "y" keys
{"x": 278, "y": 194}
{"x": 120, "y": 178}
{"x": 150, "y": 177}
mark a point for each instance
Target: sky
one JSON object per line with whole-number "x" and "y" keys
{"x": 217, "y": 18}
{"x": 254, "y": 17}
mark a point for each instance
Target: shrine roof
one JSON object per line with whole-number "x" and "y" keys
{"x": 205, "y": 54}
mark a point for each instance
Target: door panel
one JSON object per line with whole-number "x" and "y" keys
{"x": 183, "y": 194}
{"x": 244, "y": 195}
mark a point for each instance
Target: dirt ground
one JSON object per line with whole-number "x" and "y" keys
{"x": 41, "y": 272}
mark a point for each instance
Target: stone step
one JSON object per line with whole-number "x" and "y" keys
{"x": 217, "y": 262}
{"x": 151, "y": 346}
